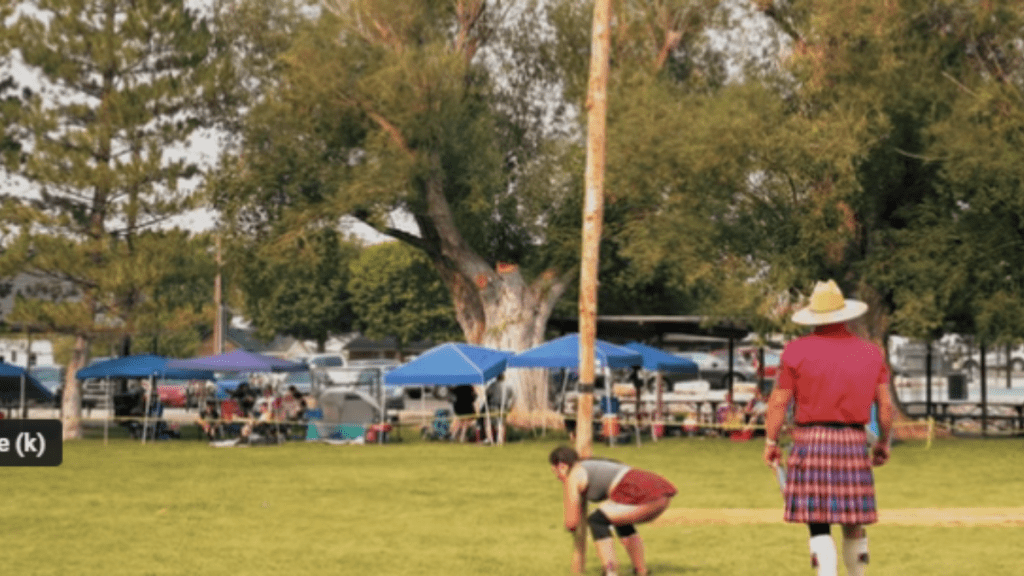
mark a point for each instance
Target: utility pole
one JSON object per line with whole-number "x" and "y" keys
{"x": 593, "y": 215}
{"x": 218, "y": 325}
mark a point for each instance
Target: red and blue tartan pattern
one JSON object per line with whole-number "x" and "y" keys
{"x": 640, "y": 487}
{"x": 829, "y": 477}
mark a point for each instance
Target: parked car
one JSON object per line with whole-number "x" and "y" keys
{"x": 302, "y": 380}
{"x": 750, "y": 358}
{"x": 175, "y": 393}
{"x": 326, "y": 369}
{"x": 369, "y": 379}
{"x": 51, "y": 377}
{"x": 715, "y": 369}
{"x": 911, "y": 359}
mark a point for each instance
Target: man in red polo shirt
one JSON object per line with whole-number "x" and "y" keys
{"x": 833, "y": 377}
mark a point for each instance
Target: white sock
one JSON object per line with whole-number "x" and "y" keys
{"x": 855, "y": 555}
{"x": 823, "y": 551}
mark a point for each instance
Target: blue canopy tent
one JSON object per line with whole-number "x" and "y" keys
{"x": 659, "y": 361}
{"x": 564, "y": 352}
{"x": 142, "y": 366}
{"x": 238, "y": 361}
{"x": 450, "y": 364}
{"x": 17, "y": 384}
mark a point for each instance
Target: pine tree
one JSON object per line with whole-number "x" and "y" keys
{"x": 126, "y": 85}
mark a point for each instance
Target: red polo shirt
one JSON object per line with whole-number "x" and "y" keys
{"x": 833, "y": 375}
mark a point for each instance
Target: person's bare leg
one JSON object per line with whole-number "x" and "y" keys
{"x": 606, "y": 554}
{"x": 638, "y": 514}
{"x": 634, "y": 546}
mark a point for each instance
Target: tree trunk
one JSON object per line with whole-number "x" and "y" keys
{"x": 514, "y": 318}
{"x": 494, "y": 305}
{"x": 71, "y": 401}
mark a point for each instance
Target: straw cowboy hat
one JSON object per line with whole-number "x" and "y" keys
{"x": 828, "y": 306}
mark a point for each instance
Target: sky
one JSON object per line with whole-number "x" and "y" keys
{"x": 204, "y": 149}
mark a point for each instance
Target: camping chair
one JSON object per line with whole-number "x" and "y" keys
{"x": 440, "y": 428}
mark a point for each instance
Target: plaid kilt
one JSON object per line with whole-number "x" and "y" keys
{"x": 640, "y": 487}
{"x": 828, "y": 477}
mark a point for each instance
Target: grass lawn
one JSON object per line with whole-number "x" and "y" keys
{"x": 183, "y": 507}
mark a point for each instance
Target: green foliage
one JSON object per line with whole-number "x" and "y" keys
{"x": 298, "y": 284}
{"x": 160, "y": 288}
{"x": 124, "y": 84}
{"x": 947, "y": 180}
{"x": 395, "y": 291}
{"x": 883, "y": 153}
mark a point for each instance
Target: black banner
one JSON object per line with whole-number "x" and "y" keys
{"x": 31, "y": 443}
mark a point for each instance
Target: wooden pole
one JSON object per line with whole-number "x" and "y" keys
{"x": 1010, "y": 366}
{"x": 659, "y": 407}
{"x": 218, "y": 324}
{"x": 984, "y": 394}
{"x": 593, "y": 215}
{"x": 928, "y": 379}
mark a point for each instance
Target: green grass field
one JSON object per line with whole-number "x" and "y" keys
{"x": 183, "y": 507}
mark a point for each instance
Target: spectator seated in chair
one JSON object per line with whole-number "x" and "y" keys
{"x": 209, "y": 421}
{"x": 294, "y": 406}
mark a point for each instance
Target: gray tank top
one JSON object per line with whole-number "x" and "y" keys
{"x": 600, "y": 476}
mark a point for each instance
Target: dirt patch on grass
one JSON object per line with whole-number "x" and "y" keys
{"x": 893, "y": 517}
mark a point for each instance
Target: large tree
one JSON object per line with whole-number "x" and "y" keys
{"x": 448, "y": 111}
{"x": 916, "y": 107}
{"x": 872, "y": 148}
{"x": 173, "y": 275}
{"x": 389, "y": 106}
{"x": 102, "y": 149}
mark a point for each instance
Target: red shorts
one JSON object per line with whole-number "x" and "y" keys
{"x": 641, "y": 486}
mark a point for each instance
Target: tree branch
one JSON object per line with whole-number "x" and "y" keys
{"x": 768, "y": 8}
{"x": 391, "y": 129}
{"x": 672, "y": 39}
{"x": 468, "y": 13}
{"x": 403, "y": 236}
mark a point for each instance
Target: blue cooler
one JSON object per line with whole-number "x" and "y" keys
{"x": 609, "y": 405}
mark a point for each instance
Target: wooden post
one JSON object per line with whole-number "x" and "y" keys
{"x": 659, "y": 407}
{"x": 928, "y": 379}
{"x": 732, "y": 367}
{"x": 984, "y": 394}
{"x": 593, "y": 215}
{"x": 218, "y": 322}
{"x": 1009, "y": 366}
{"x": 638, "y": 410}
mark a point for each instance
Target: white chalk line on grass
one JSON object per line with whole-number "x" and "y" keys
{"x": 943, "y": 517}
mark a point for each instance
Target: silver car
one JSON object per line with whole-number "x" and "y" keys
{"x": 715, "y": 369}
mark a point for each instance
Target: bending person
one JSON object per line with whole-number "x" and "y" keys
{"x": 833, "y": 377}
{"x": 628, "y": 496}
